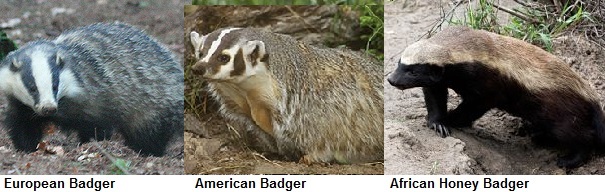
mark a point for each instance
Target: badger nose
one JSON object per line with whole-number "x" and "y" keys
{"x": 198, "y": 69}
{"x": 48, "y": 110}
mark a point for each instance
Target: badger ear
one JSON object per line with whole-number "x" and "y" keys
{"x": 196, "y": 41}
{"x": 256, "y": 51}
{"x": 15, "y": 65}
{"x": 59, "y": 60}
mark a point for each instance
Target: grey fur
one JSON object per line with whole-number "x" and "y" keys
{"x": 128, "y": 81}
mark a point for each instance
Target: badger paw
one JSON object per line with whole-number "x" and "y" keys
{"x": 440, "y": 129}
{"x": 573, "y": 160}
{"x": 307, "y": 160}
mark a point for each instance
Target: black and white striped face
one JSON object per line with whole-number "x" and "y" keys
{"x": 36, "y": 76}
{"x": 227, "y": 55}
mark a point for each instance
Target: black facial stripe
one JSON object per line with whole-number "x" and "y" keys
{"x": 29, "y": 82}
{"x": 239, "y": 66}
{"x": 55, "y": 70}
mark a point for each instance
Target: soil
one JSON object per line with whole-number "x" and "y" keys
{"x": 25, "y": 21}
{"x": 495, "y": 143}
{"x": 212, "y": 146}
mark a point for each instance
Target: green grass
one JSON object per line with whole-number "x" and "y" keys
{"x": 6, "y": 45}
{"x": 372, "y": 17}
{"x": 532, "y": 25}
{"x": 285, "y": 2}
{"x": 118, "y": 167}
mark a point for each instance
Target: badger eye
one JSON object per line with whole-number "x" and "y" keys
{"x": 224, "y": 58}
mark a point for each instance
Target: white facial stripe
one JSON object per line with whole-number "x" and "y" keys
{"x": 13, "y": 85}
{"x": 216, "y": 43}
{"x": 43, "y": 78}
{"x": 68, "y": 85}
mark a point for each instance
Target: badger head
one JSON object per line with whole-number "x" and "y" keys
{"x": 420, "y": 65}
{"x": 36, "y": 76}
{"x": 228, "y": 55}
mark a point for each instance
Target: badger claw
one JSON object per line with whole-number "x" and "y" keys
{"x": 441, "y": 130}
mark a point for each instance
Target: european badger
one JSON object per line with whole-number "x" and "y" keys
{"x": 91, "y": 80}
{"x": 493, "y": 71}
{"x": 313, "y": 105}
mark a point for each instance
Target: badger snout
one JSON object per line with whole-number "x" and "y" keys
{"x": 198, "y": 69}
{"x": 46, "y": 109}
{"x": 392, "y": 80}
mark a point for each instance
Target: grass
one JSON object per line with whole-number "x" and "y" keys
{"x": 6, "y": 45}
{"x": 372, "y": 17}
{"x": 536, "y": 24}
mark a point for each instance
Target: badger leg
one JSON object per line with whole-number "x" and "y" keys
{"x": 466, "y": 113}
{"x": 575, "y": 137}
{"x": 436, "y": 105}
{"x": 24, "y": 128}
{"x": 152, "y": 139}
{"x": 575, "y": 158}
{"x": 89, "y": 130}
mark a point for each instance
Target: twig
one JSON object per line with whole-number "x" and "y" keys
{"x": 263, "y": 157}
{"x": 515, "y": 13}
{"x": 17, "y": 170}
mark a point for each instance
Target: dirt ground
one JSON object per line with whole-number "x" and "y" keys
{"x": 493, "y": 145}
{"x": 25, "y": 21}
{"x": 211, "y": 145}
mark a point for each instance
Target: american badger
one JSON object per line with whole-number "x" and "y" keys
{"x": 312, "y": 104}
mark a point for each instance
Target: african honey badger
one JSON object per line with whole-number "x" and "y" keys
{"x": 312, "y": 104}
{"x": 493, "y": 71}
{"x": 94, "y": 79}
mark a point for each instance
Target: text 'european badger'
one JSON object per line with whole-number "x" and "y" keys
{"x": 303, "y": 102}
{"x": 93, "y": 80}
{"x": 493, "y": 71}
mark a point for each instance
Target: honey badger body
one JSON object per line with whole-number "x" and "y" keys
{"x": 492, "y": 71}
{"x": 313, "y": 105}
{"x": 91, "y": 80}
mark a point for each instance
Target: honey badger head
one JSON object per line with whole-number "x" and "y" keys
{"x": 36, "y": 76}
{"x": 228, "y": 55}
{"x": 420, "y": 65}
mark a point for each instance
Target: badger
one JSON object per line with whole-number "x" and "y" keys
{"x": 92, "y": 80}
{"x": 302, "y": 102}
{"x": 493, "y": 71}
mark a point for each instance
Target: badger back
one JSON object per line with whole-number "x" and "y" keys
{"x": 531, "y": 66}
{"x": 119, "y": 56}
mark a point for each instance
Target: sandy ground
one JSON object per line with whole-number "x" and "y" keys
{"x": 29, "y": 20}
{"x": 495, "y": 144}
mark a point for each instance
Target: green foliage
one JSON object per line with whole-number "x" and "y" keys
{"x": 532, "y": 25}
{"x": 6, "y": 45}
{"x": 285, "y": 2}
{"x": 119, "y": 165}
{"x": 372, "y": 17}
{"x": 483, "y": 17}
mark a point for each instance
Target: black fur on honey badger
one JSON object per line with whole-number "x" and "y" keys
{"x": 126, "y": 81}
{"x": 567, "y": 117}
